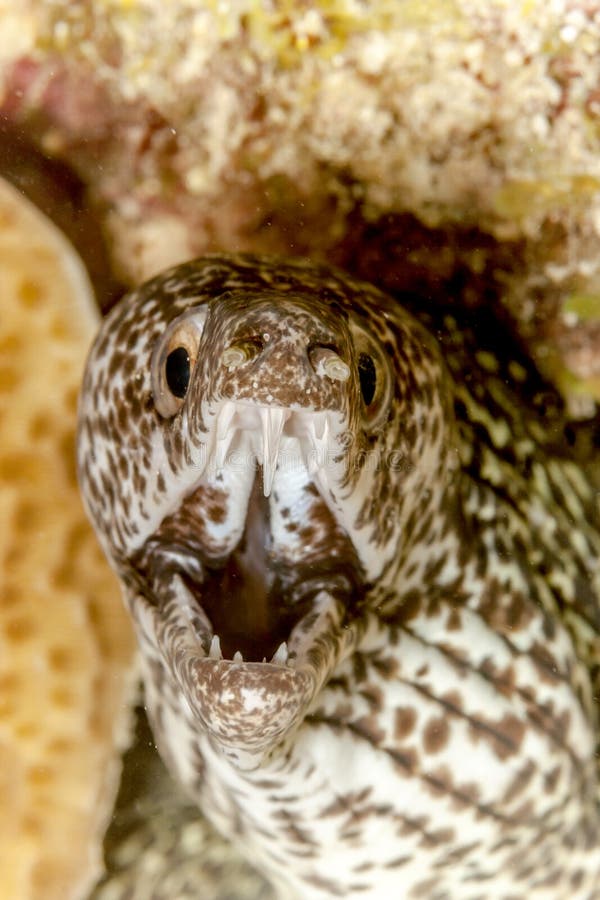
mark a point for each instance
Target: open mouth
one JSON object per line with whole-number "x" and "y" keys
{"x": 253, "y": 590}
{"x": 248, "y": 643}
{"x": 249, "y": 598}
{"x": 243, "y": 600}
{"x": 252, "y": 586}
{"x": 250, "y": 606}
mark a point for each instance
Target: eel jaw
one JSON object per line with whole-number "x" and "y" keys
{"x": 249, "y": 708}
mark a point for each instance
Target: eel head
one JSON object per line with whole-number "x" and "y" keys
{"x": 255, "y": 438}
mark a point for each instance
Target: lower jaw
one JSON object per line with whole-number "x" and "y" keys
{"x": 275, "y": 618}
{"x": 248, "y": 708}
{"x": 287, "y": 642}
{"x": 244, "y": 634}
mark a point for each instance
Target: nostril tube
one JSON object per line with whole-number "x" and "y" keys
{"x": 239, "y": 353}
{"x": 326, "y": 361}
{"x": 336, "y": 368}
{"x": 233, "y": 357}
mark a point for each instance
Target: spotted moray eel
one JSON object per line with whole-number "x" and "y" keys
{"x": 362, "y": 564}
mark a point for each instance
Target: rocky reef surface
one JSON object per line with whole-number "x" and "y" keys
{"x": 446, "y": 148}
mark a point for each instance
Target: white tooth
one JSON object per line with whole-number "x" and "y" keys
{"x": 226, "y": 414}
{"x": 272, "y": 420}
{"x": 224, "y": 432}
{"x": 215, "y": 648}
{"x": 281, "y": 655}
{"x": 314, "y": 462}
{"x": 221, "y": 450}
{"x": 237, "y": 657}
{"x": 319, "y": 442}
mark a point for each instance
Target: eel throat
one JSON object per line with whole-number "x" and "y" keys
{"x": 243, "y": 598}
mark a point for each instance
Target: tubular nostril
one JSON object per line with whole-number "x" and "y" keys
{"x": 240, "y": 352}
{"x": 233, "y": 357}
{"x": 326, "y": 361}
{"x": 336, "y": 368}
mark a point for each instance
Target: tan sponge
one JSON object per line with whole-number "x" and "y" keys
{"x": 66, "y": 647}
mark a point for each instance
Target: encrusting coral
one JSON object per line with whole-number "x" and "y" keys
{"x": 66, "y": 649}
{"x": 467, "y": 131}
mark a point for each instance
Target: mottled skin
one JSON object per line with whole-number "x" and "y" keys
{"x": 428, "y": 549}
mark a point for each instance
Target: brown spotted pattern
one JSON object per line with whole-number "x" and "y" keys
{"x": 425, "y": 551}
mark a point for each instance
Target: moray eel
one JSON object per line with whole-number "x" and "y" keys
{"x": 362, "y": 563}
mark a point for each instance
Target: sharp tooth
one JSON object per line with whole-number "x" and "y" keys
{"x": 221, "y": 451}
{"x": 323, "y": 437}
{"x": 225, "y": 433}
{"x": 215, "y": 648}
{"x": 272, "y": 420}
{"x": 226, "y": 414}
{"x": 318, "y": 434}
{"x": 237, "y": 657}
{"x": 313, "y": 459}
{"x": 281, "y": 655}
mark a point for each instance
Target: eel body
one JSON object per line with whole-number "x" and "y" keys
{"x": 362, "y": 563}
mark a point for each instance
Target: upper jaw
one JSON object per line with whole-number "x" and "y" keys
{"x": 277, "y": 438}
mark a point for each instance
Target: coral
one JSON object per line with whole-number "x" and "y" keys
{"x": 66, "y": 648}
{"x": 292, "y": 127}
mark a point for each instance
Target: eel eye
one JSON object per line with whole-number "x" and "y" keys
{"x": 374, "y": 376}
{"x": 178, "y": 371}
{"x": 173, "y": 360}
{"x": 367, "y": 375}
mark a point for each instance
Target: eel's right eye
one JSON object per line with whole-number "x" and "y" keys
{"x": 367, "y": 375}
{"x": 374, "y": 376}
{"x": 174, "y": 359}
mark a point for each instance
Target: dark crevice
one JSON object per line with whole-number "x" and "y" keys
{"x": 58, "y": 193}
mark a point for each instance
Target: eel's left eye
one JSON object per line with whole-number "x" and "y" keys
{"x": 173, "y": 360}
{"x": 374, "y": 376}
{"x": 178, "y": 371}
